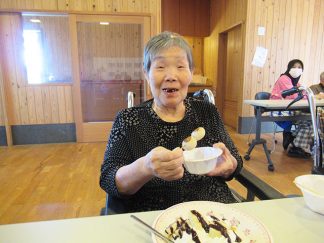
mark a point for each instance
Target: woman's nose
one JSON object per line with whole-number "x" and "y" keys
{"x": 171, "y": 74}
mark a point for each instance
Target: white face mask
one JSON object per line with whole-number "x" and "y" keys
{"x": 295, "y": 72}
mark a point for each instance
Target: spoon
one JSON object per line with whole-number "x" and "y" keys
{"x": 154, "y": 231}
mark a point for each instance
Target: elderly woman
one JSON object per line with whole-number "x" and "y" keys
{"x": 143, "y": 162}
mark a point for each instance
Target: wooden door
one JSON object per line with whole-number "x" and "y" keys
{"x": 186, "y": 17}
{"x": 231, "y": 88}
{"x": 107, "y": 56}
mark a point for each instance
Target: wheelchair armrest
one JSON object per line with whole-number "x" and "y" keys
{"x": 257, "y": 187}
{"x": 113, "y": 205}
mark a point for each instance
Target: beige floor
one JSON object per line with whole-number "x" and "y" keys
{"x": 56, "y": 181}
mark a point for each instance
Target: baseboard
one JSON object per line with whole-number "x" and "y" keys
{"x": 3, "y": 136}
{"x": 44, "y": 133}
{"x": 247, "y": 124}
{"x": 62, "y": 133}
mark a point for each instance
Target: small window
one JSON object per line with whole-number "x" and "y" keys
{"x": 47, "y": 53}
{"x": 33, "y": 56}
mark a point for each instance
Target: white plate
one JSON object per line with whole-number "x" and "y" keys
{"x": 248, "y": 228}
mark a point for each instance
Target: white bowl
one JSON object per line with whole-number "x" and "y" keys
{"x": 201, "y": 160}
{"x": 312, "y": 187}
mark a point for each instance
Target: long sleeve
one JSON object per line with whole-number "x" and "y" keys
{"x": 283, "y": 83}
{"x": 117, "y": 154}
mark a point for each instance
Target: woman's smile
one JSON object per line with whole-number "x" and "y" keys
{"x": 170, "y": 92}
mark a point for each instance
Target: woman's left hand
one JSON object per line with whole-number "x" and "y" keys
{"x": 226, "y": 163}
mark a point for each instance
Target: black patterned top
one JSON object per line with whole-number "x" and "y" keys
{"x": 137, "y": 130}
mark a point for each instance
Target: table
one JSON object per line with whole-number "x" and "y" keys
{"x": 262, "y": 106}
{"x": 288, "y": 220}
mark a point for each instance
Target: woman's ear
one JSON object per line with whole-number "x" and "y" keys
{"x": 192, "y": 73}
{"x": 146, "y": 76}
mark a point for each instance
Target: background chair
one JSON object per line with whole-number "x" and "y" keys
{"x": 261, "y": 96}
{"x": 255, "y": 186}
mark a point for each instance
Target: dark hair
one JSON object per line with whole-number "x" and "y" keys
{"x": 162, "y": 41}
{"x": 292, "y": 63}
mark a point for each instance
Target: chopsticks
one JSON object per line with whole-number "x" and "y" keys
{"x": 154, "y": 231}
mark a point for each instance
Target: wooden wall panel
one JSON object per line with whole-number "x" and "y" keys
{"x": 294, "y": 29}
{"x": 9, "y": 65}
{"x": 2, "y": 99}
{"x": 197, "y": 45}
{"x": 29, "y": 4}
{"x": 40, "y": 118}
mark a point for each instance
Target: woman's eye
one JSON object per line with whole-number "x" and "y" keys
{"x": 158, "y": 66}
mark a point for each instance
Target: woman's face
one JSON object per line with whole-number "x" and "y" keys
{"x": 169, "y": 77}
{"x": 296, "y": 70}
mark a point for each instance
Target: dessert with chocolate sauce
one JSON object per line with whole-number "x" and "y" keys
{"x": 198, "y": 228}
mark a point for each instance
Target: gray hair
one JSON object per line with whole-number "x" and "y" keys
{"x": 322, "y": 76}
{"x": 163, "y": 41}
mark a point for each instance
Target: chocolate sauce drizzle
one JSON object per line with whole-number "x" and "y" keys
{"x": 183, "y": 226}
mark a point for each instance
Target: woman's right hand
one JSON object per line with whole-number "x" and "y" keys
{"x": 165, "y": 164}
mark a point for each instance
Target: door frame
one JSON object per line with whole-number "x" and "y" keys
{"x": 221, "y": 72}
{"x": 97, "y": 131}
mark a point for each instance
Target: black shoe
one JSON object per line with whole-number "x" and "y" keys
{"x": 296, "y": 152}
{"x": 287, "y": 138}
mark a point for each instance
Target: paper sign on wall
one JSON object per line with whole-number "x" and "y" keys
{"x": 261, "y": 30}
{"x": 260, "y": 56}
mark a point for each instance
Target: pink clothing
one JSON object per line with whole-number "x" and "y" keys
{"x": 283, "y": 83}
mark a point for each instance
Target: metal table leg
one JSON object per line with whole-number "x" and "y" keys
{"x": 259, "y": 140}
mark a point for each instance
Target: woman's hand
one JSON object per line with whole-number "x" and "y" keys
{"x": 164, "y": 163}
{"x": 226, "y": 163}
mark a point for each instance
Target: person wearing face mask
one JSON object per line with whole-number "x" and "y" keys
{"x": 299, "y": 139}
{"x": 288, "y": 79}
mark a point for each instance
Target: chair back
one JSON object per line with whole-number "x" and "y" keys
{"x": 261, "y": 96}
{"x": 206, "y": 95}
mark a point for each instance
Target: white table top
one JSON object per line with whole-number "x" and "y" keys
{"x": 281, "y": 104}
{"x": 288, "y": 220}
